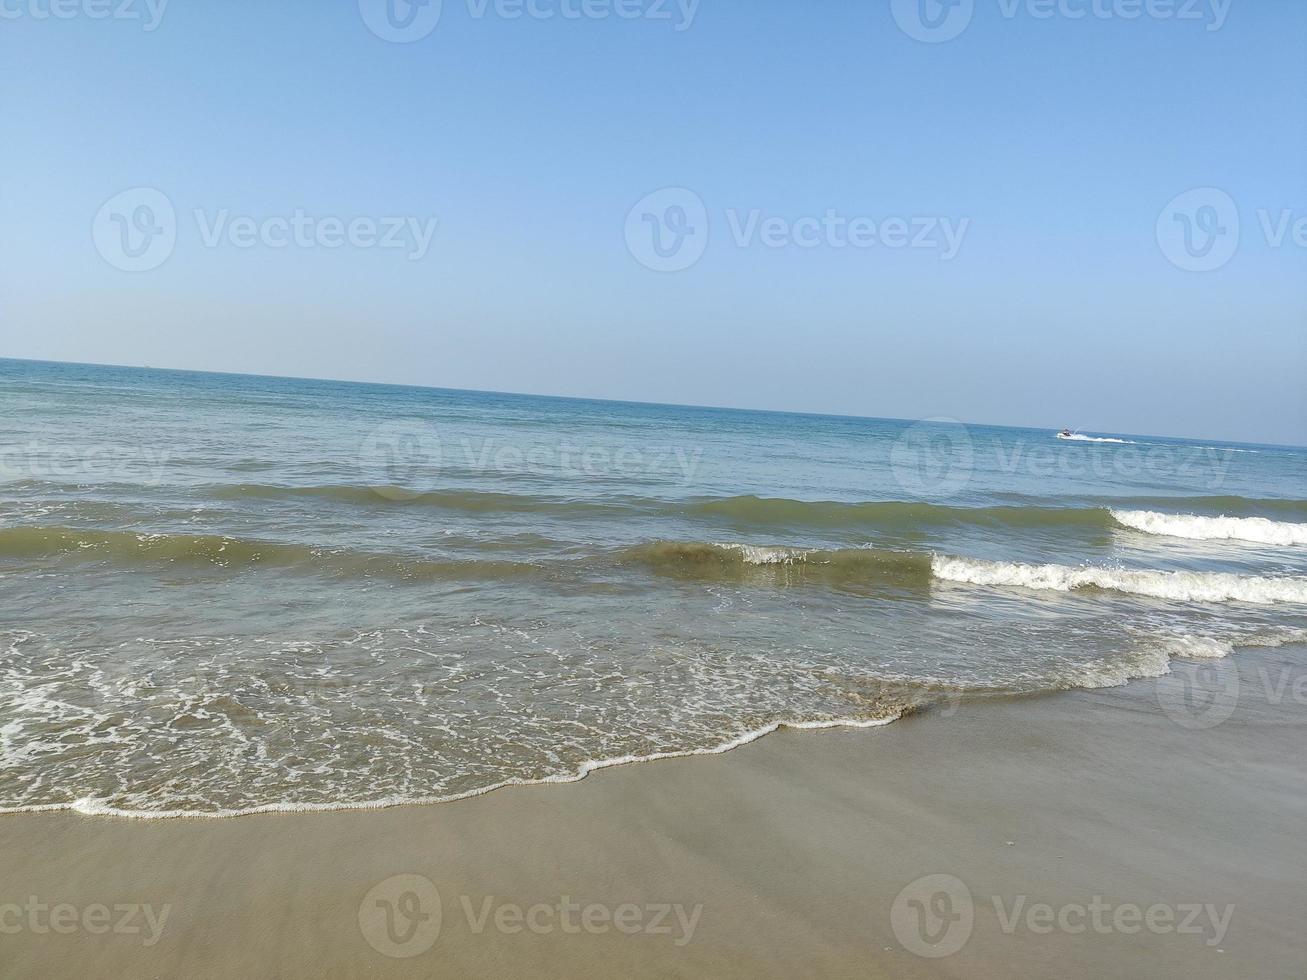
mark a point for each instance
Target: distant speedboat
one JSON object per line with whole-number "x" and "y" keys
{"x": 1081, "y": 437}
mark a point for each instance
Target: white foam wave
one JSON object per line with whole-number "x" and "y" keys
{"x": 91, "y": 806}
{"x": 1278, "y": 638}
{"x": 1198, "y": 528}
{"x": 1146, "y": 661}
{"x": 1153, "y": 655}
{"x": 1150, "y": 658}
{"x": 1181, "y": 586}
{"x": 1189, "y": 647}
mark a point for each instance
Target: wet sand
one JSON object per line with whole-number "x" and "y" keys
{"x": 1161, "y": 849}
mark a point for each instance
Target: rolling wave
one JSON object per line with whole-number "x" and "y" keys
{"x": 1215, "y": 505}
{"x": 133, "y": 548}
{"x": 785, "y": 512}
{"x": 1180, "y": 586}
{"x": 1198, "y": 528}
{"x": 754, "y": 511}
{"x": 476, "y": 501}
{"x": 890, "y": 514}
{"x": 692, "y": 559}
{"x": 704, "y": 560}
{"x": 746, "y": 509}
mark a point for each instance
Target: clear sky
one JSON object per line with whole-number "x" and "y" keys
{"x": 1051, "y": 145}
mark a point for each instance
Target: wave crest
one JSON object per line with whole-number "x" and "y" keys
{"x": 1199, "y": 528}
{"x": 890, "y": 514}
{"x": 130, "y": 548}
{"x": 699, "y": 559}
{"x": 1180, "y": 586}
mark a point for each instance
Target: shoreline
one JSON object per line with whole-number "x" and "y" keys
{"x": 1180, "y": 649}
{"x": 793, "y": 850}
{"x": 587, "y": 769}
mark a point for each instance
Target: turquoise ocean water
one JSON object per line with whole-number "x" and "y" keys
{"x": 222, "y": 593}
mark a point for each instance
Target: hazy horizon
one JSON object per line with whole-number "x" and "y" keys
{"x": 836, "y": 211}
{"x": 982, "y": 423}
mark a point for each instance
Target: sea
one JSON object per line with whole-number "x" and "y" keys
{"x": 224, "y": 594}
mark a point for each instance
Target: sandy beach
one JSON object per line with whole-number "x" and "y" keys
{"x": 1161, "y": 845}
{"x": 609, "y": 488}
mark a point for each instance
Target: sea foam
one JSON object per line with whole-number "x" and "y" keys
{"x": 1182, "y": 586}
{"x": 1199, "y": 528}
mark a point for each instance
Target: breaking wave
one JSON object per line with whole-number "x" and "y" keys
{"x": 1214, "y": 505}
{"x": 1180, "y": 586}
{"x": 689, "y": 559}
{"x": 1199, "y": 528}
{"x": 909, "y": 568}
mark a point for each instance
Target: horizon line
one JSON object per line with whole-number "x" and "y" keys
{"x": 623, "y": 401}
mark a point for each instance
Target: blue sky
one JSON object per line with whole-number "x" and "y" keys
{"x": 1051, "y": 145}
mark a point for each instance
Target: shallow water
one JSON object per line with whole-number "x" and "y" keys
{"x": 224, "y": 593}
